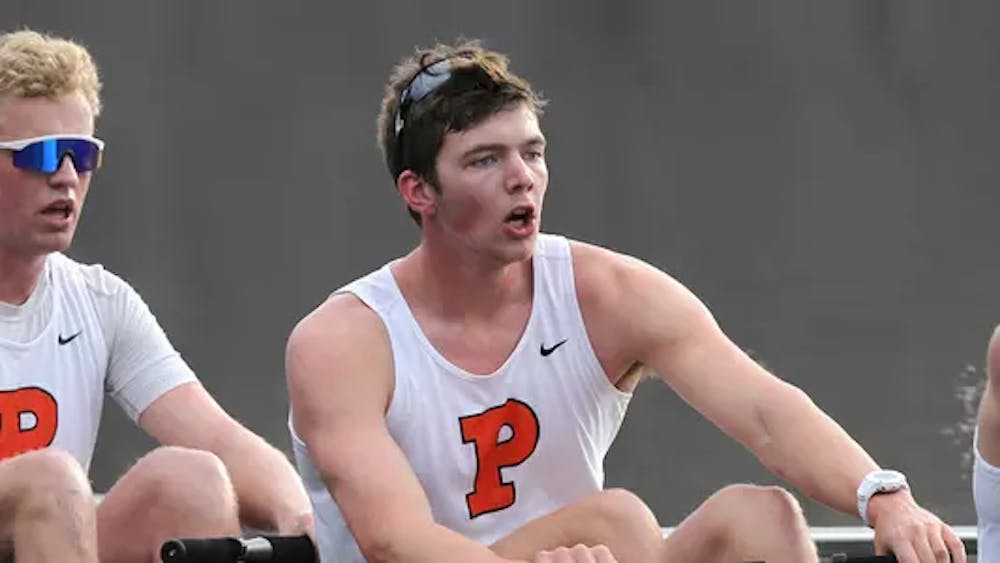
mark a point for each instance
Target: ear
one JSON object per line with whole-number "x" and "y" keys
{"x": 418, "y": 195}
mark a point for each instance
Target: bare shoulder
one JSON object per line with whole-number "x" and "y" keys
{"x": 594, "y": 267}
{"x": 607, "y": 278}
{"x": 343, "y": 316}
{"x": 341, "y": 342}
{"x": 627, "y": 302}
{"x": 610, "y": 280}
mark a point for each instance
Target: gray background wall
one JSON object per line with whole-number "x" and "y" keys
{"x": 822, "y": 174}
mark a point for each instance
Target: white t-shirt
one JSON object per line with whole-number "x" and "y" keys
{"x": 83, "y": 332}
{"x": 491, "y": 451}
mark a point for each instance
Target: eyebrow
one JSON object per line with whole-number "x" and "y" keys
{"x": 491, "y": 147}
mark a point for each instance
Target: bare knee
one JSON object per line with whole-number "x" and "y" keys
{"x": 617, "y": 515}
{"x": 783, "y": 507}
{"x": 45, "y": 483}
{"x": 742, "y": 492}
{"x": 182, "y": 481}
{"x": 769, "y": 506}
{"x": 623, "y": 506}
{"x": 45, "y": 488}
{"x": 769, "y": 499}
{"x": 170, "y": 492}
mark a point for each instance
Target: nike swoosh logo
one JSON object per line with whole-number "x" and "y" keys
{"x": 67, "y": 340}
{"x": 546, "y": 351}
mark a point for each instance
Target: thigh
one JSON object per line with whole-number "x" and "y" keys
{"x": 14, "y": 482}
{"x": 124, "y": 526}
{"x": 130, "y": 516}
{"x": 6, "y": 512}
{"x": 6, "y": 534}
{"x": 614, "y": 518}
{"x": 49, "y": 484}
{"x": 623, "y": 523}
{"x": 170, "y": 492}
{"x": 743, "y": 522}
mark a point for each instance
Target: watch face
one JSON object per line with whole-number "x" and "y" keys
{"x": 887, "y": 480}
{"x": 888, "y": 476}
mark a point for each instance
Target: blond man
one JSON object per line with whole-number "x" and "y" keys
{"x": 71, "y": 333}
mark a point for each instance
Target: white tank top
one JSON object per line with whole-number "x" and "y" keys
{"x": 83, "y": 333}
{"x": 491, "y": 451}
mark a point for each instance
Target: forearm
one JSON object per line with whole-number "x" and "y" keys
{"x": 270, "y": 493}
{"x": 804, "y": 446}
{"x": 397, "y": 526}
{"x": 393, "y": 524}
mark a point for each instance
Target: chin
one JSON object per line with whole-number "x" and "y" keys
{"x": 519, "y": 251}
{"x": 54, "y": 243}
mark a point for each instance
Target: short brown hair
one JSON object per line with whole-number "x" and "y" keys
{"x": 34, "y": 65}
{"x": 479, "y": 86}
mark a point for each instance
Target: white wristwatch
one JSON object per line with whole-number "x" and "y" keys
{"x": 878, "y": 481}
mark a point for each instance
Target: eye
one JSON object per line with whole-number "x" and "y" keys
{"x": 484, "y": 161}
{"x": 534, "y": 154}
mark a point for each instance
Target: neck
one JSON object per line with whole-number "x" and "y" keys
{"x": 18, "y": 276}
{"x": 457, "y": 283}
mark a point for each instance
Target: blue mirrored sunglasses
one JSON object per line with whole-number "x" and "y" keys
{"x": 45, "y": 154}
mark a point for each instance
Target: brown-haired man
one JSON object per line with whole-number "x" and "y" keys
{"x": 465, "y": 395}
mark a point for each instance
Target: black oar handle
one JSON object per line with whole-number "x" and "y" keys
{"x": 259, "y": 549}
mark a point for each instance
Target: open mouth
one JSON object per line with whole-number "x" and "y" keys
{"x": 59, "y": 210}
{"x": 521, "y": 216}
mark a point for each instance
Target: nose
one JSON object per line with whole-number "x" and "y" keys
{"x": 66, "y": 175}
{"x": 520, "y": 176}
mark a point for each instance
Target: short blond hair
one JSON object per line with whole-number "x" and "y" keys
{"x": 34, "y": 65}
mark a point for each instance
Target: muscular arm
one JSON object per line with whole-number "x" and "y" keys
{"x": 150, "y": 380}
{"x": 989, "y": 407}
{"x": 653, "y": 319}
{"x": 340, "y": 377}
{"x": 269, "y": 490}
